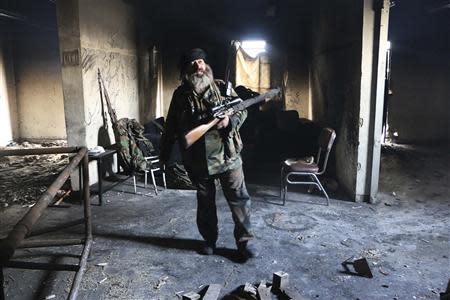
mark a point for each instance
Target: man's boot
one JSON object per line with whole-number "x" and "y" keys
{"x": 207, "y": 248}
{"x": 247, "y": 250}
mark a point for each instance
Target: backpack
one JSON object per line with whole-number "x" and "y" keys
{"x": 133, "y": 147}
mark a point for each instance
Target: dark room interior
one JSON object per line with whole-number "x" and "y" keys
{"x": 262, "y": 149}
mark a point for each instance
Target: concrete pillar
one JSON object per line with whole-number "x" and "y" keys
{"x": 97, "y": 34}
{"x": 373, "y": 64}
{"x": 347, "y": 84}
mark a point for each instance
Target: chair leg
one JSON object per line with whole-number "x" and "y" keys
{"x": 321, "y": 188}
{"x": 164, "y": 179}
{"x": 312, "y": 186}
{"x": 285, "y": 187}
{"x": 145, "y": 179}
{"x": 281, "y": 182}
{"x": 134, "y": 184}
{"x": 154, "y": 181}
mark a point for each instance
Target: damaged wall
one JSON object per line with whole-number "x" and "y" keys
{"x": 108, "y": 42}
{"x": 420, "y": 83}
{"x": 221, "y": 23}
{"x": 296, "y": 77}
{"x": 349, "y": 50}
{"x": 91, "y": 41}
{"x": 336, "y": 81}
{"x": 32, "y": 70}
{"x": 8, "y": 102}
{"x": 419, "y": 107}
{"x": 38, "y": 84}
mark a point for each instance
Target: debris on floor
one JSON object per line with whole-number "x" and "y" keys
{"x": 23, "y": 179}
{"x": 263, "y": 290}
{"x": 361, "y": 267}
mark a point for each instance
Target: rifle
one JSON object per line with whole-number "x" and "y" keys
{"x": 231, "y": 53}
{"x": 220, "y": 111}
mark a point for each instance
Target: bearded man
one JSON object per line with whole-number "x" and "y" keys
{"x": 216, "y": 155}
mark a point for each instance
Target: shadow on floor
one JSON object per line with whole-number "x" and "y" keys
{"x": 173, "y": 243}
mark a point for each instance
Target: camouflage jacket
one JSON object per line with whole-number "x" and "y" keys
{"x": 218, "y": 150}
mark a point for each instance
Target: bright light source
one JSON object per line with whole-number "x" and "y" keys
{"x": 395, "y": 133}
{"x": 388, "y": 45}
{"x": 254, "y": 48}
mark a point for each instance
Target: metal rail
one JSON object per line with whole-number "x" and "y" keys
{"x": 17, "y": 236}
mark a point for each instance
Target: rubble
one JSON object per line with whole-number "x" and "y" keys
{"x": 24, "y": 178}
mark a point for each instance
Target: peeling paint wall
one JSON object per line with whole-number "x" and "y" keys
{"x": 105, "y": 41}
{"x": 336, "y": 81}
{"x": 297, "y": 84}
{"x": 39, "y": 85}
{"x": 108, "y": 42}
{"x": 419, "y": 108}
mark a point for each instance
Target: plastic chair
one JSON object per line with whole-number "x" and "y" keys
{"x": 303, "y": 168}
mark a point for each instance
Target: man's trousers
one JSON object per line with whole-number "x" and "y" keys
{"x": 235, "y": 192}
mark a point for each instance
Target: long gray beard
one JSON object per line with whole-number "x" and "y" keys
{"x": 200, "y": 82}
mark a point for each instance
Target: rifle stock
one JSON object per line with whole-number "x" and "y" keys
{"x": 196, "y": 133}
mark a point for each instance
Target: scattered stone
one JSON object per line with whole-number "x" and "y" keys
{"x": 250, "y": 288}
{"x": 382, "y": 271}
{"x": 385, "y": 285}
{"x": 50, "y": 297}
{"x": 213, "y": 292}
{"x": 280, "y": 280}
{"x": 346, "y": 243}
{"x": 102, "y": 264}
{"x": 191, "y": 296}
{"x": 161, "y": 282}
{"x": 103, "y": 280}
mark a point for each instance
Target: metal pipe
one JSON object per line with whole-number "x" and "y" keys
{"x": 86, "y": 198}
{"x": 40, "y": 266}
{"x": 50, "y": 243}
{"x": 38, "y": 151}
{"x": 23, "y": 227}
{"x": 83, "y": 262}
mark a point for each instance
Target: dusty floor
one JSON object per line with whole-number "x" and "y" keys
{"x": 23, "y": 179}
{"x": 149, "y": 242}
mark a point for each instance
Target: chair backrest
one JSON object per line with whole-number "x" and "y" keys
{"x": 326, "y": 140}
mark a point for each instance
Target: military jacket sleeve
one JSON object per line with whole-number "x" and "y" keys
{"x": 175, "y": 120}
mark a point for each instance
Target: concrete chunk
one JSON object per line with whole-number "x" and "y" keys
{"x": 264, "y": 291}
{"x": 191, "y": 296}
{"x": 213, "y": 292}
{"x": 280, "y": 280}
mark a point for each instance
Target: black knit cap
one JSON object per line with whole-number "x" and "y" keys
{"x": 191, "y": 55}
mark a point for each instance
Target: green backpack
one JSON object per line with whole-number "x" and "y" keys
{"x": 132, "y": 145}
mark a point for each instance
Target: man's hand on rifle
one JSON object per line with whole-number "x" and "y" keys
{"x": 224, "y": 122}
{"x": 224, "y": 119}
